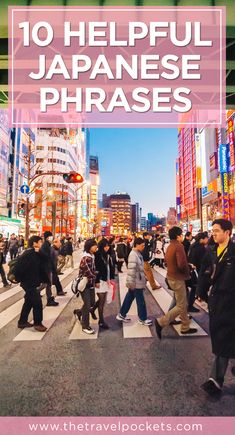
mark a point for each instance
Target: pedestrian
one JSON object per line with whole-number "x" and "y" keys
{"x": 21, "y": 244}
{"x": 106, "y": 272}
{"x": 196, "y": 256}
{"x": 221, "y": 303}
{"x": 121, "y": 254}
{"x": 2, "y": 261}
{"x": 30, "y": 269}
{"x": 87, "y": 269}
{"x": 112, "y": 252}
{"x": 13, "y": 246}
{"x": 46, "y": 250}
{"x": 158, "y": 254}
{"x": 127, "y": 249}
{"x": 55, "y": 255}
{"x": 136, "y": 284}
{"x": 187, "y": 241}
{"x": 177, "y": 274}
{"x": 69, "y": 253}
{"x": 147, "y": 257}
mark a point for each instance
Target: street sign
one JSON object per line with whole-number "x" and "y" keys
{"x": 25, "y": 189}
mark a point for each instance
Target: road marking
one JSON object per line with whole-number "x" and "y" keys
{"x": 163, "y": 298}
{"x": 50, "y": 314}
{"x": 132, "y": 329}
{"x": 78, "y": 334}
{"x": 10, "y": 296}
{"x": 202, "y": 304}
{"x": 14, "y": 310}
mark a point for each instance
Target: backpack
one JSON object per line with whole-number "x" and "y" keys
{"x": 11, "y": 275}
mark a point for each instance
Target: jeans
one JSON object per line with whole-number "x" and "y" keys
{"x": 137, "y": 294}
{"x": 32, "y": 300}
{"x": 88, "y": 297}
{"x": 219, "y": 369}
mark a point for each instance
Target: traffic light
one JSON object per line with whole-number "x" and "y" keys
{"x": 73, "y": 177}
{"x": 21, "y": 209}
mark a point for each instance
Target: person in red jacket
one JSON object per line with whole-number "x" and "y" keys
{"x": 177, "y": 274}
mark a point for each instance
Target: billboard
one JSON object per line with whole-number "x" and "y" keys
{"x": 223, "y": 158}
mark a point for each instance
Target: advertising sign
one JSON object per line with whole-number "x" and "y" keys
{"x": 225, "y": 195}
{"x": 223, "y": 158}
{"x": 231, "y": 144}
{"x": 198, "y": 161}
{"x": 213, "y": 161}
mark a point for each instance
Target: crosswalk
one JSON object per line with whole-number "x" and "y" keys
{"x": 11, "y": 302}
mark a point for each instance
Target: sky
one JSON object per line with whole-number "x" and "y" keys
{"x": 138, "y": 161}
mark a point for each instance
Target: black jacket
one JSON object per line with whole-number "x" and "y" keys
{"x": 121, "y": 250}
{"x": 222, "y": 305}
{"x": 196, "y": 255}
{"x": 187, "y": 245}
{"x": 46, "y": 251}
{"x": 147, "y": 250}
{"x": 31, "y": 268}
{"x": 101, "y": 267}
{"x": 68, "y": 248}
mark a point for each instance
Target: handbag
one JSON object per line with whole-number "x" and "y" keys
{"x": 79, "y": 284}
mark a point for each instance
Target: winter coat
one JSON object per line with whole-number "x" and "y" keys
{"x": 31, "y": 269}
{"x": 121, "y": 251}
{"x": 147, "y": 250}
{"x": 135, "y": 271}
{"x": 13, "y": 245}
{"x": 196, "y": 255}
{"x": 101, "y": 267}
{"x": 186, "y": 244}
{"x": 68, "y": 248}
{"x": 46, "y": 251}
{"x": 206, "y": 270}
{"x": 221, "y": 304}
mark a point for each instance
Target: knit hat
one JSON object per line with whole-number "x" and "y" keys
{"x": 47, "y": 234}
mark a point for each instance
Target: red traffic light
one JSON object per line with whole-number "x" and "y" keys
{"x": 73, "y": 177}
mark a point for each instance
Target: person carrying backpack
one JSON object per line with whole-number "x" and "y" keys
{"x": 30, "y": 271}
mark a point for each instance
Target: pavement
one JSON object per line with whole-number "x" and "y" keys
{"x": 119, "y": 372}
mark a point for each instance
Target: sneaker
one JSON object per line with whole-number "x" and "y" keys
{"x": 88, "y": 330}
{"x": 8, "y": 285}
{"x": 40, "y": 328}
{"x": 147, "y": 322}
{"x": 212, "y": 387}
{"x": 62, "y": 293}
{"x": 25, "y": 325}
{"x": 52, "y": 303}
{"x": 193, "y": 310}
{"x": 123, "y": 318}
{"x": 158, "y": 329}
{"x": 189, "y": 331}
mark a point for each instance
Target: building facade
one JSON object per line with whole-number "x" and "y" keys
{"x": 120, "y": 203}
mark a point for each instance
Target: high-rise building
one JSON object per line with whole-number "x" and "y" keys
{"x": 143, "y": 223}
{"x": 187, "y": 188}
{"x": 135, "y": 217}
{"x": 60, "y": 150}
{"x": 171, "y": 219}
{"x": 105, "y": 221}
{"x": 120, "y": 203}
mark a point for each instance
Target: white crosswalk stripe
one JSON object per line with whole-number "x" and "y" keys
{"x": 163, "y": 298}
{"x": 203, "y": 305}
{"x": 13, "y": 309}
{"x": 132, "y": 329}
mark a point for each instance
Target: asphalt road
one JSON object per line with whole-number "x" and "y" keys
{"x": 111, "y": 375}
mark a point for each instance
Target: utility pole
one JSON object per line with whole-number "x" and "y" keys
{"x": 27, "y": 208}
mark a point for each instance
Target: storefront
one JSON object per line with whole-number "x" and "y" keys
{"x": 9, "y": 226}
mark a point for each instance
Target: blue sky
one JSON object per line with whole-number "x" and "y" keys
{"x": 138, "y": 161}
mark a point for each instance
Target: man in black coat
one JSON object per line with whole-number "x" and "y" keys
{"x": 46, "y": 251}
{"x": 30, "y": 271}
{"x": 222, "y": 306}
